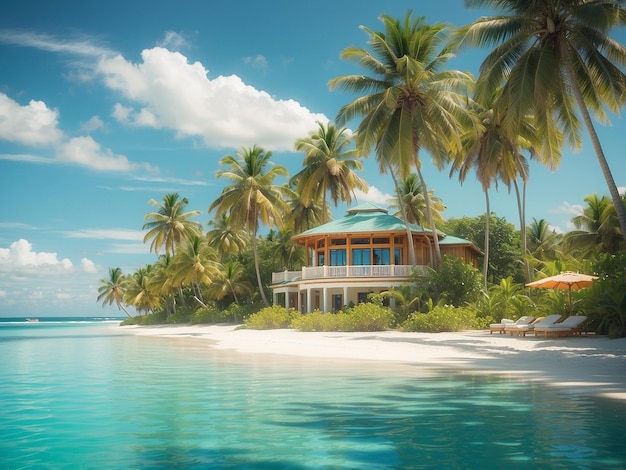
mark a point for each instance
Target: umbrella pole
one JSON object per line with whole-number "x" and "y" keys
{"x": 569, "y": 294}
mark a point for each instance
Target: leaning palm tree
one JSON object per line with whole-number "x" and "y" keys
{"x": 170, "y": 225}
{"x": 252, "y": 199}
{"x": 550, "y": 57}
{"x": 112, "y": 289}
{"x": 407, "y": 102}
{"x": 329, "y": 166}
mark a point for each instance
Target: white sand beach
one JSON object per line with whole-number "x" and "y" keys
{"x": 589, "y": 364}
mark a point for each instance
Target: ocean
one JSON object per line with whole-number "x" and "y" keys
{"x": 84, "y": 394}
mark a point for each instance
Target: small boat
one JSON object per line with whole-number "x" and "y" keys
{"x": 32, "y": 320}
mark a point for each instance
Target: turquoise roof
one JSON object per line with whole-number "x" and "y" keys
{"x": 370, "y": 218}
{"x": 365, "y": 218}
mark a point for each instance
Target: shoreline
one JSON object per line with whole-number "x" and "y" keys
{"x": 589, "y": 365}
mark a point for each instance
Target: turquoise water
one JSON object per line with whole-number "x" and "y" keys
{"x": 86, "y": 395}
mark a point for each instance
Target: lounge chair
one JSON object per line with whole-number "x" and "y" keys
{"x": 569, "y": 326}
{"x": 499, "y": 327}
{"x": 521, "y": 330}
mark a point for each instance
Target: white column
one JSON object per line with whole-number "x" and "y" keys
{"x": 325, "y": 300}
{"x": 309, "y": 300}
{"x": 274, "y": 297}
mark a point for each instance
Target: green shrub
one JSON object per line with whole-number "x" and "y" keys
{"x": 363, "y": 317}
{"x": 444, "y": 318}
{"x": 456, "y": 282}
{"x": 271, "y": 318}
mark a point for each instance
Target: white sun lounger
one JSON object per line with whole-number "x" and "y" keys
{"x": 569, "y": 326}
{"x": 499, "y": 327}
{"x": 521, "y": 330}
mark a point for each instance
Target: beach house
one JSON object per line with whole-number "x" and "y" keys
{"x": 366, "y": 251}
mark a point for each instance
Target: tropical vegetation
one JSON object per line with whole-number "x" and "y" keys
{"x": 552, "y": 64}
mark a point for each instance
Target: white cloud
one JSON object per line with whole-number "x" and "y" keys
{"x": 567, "y": 208}
{"x": 87, "y": 152}
{"x": 373, "y": 195}
{"x": 20, "y": 255}
{"x": 93, "y": 124}
{"x": 122, "y": 113}
{"x": 34, "y": 124}
{"x": 46, "y": 42}
{"x": 258, "y": 62}
{"x": 107, "y": 234}
{"x": 174, "y": 94}
{"x": 174, "y": 40}
{"x": 88, "y": 266}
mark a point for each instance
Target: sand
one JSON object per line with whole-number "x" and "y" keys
{"x": 589, "y": 364}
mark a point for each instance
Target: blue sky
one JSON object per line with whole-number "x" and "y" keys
{"x": 106, "y": 105}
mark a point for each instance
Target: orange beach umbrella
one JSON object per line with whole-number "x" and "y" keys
{"x": 565, "y": 280}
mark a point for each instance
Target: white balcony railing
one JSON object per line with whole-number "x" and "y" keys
{"x": 334, "y": 272}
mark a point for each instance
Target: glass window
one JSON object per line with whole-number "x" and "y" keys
{"x": 397, "y": 256}
{"x": 361, "y": 257}
{"x": 398, "y": 240}
{"x": 338, "y": 257}
{"x": 360, "y": 241}
{"x": 361, "y": 297}
{"x": 321, "y": 244}
{"x": 381, "y": 256}
{"x": 381, "y": 241}
{"x": 320, "y": 258}
{"x": 337, "y": 302}
{"x": 338, "y": 241}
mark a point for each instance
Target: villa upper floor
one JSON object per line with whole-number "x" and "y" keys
{"x": 368, "y": 242}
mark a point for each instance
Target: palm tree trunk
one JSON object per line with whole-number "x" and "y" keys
{"x": 258, "y": 270}
{"x": 620, "y": 210}
{"x": 409, "y": 235}
{"x": 119, "y": 304}
{"x": 486, "y": 243}
{"x": 521, "y": 208}
{"x": 431, "y": 222}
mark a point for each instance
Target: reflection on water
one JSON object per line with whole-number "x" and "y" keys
{"x": 88, "y": 396}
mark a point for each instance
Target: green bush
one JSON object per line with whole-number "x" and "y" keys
{"x": 271, "y": 318}
{"x": 444, "y": 318}
{"x": 457, "y": 282}
{"x": 363, "y": 317}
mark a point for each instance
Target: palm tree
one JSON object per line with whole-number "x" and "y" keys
{"x": 139, "y": 293}
{"x": 596, "y": 231}
{"x": 412, "y": 196}
{"x": 407, "y": 103}
{"x": 542, "y": 240}
{"x": 252, "y": 199}
{"x": 329, "y": 167}
{"x": 286, "y": 251}
{"x": 303, "y": 217}
{"x": 112, "y": 290}
{"x": 170, "y": 225}
{"x": 225, "y": 238}
{"x": 160, "y": 281}
{"x": 495, "y": 155}
{"x": 546, "y": 51}
{"x": 230, "y": 282}
{"x": 194, "y": 264}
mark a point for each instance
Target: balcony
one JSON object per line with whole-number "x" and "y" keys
{"x": 335, "y": 272}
